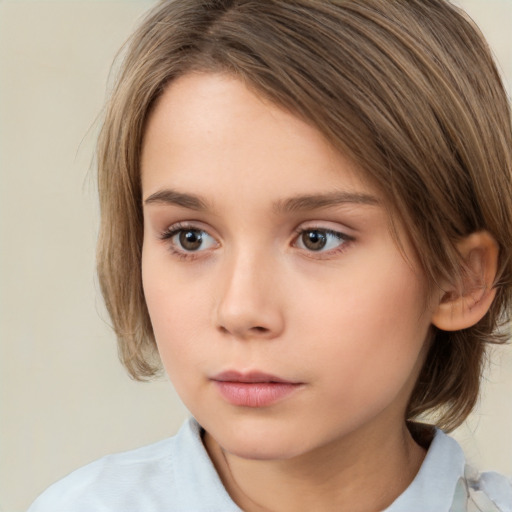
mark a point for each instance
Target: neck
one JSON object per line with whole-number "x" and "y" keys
{"x": 364, "y": 471}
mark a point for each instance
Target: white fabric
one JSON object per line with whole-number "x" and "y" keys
{"x": 436, "y": 480}
{"x": 176, "y": 475}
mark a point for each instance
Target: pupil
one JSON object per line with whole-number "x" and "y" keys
{"x": 314, "y": 240}
{"x": 191, "y": 240}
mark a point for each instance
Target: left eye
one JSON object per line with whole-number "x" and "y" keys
{"x": 192, "y": 240}
{"x": 320, "y": 240}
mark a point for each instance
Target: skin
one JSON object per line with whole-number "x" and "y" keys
{"x": 348, "y": 322}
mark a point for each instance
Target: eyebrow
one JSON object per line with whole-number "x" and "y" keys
{"x": 317, "y": 201}
{"x": 291, "y": 205}
{"x": 173, "y": 197}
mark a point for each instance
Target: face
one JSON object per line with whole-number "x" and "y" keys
{"x": 284, "y": 313}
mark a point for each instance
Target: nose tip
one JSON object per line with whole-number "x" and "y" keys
{"x": 249, "y": 321}
{"x": 248, "y": 305}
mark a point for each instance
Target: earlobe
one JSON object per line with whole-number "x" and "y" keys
{"x": 465, "y": 303}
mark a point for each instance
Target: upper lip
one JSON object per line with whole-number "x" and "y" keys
{"x": 249, "y": 377}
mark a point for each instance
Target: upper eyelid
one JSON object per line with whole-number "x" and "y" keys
{"x": 344, "y": 232}
{"x": 183, "y": 225}
{"x": 302, "y": 229}
{"x": 338, "y": 234}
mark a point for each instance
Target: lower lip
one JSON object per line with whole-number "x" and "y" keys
{"x": 255, "y": 394}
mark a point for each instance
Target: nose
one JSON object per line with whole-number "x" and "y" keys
{"x": 248, "y": 301}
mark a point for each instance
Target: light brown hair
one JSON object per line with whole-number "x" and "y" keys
{"x": 407, "y": 88}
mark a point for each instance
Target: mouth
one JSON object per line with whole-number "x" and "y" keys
{"x": 253, "y": 389}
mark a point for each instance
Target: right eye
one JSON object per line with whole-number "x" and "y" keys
{"x": 188, "y": 239}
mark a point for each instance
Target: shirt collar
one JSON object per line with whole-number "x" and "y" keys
{"x": 198, "y": 486}
{"x": 434, "y": 486}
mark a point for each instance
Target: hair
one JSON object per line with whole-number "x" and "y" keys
{"x": 408, "y": 89}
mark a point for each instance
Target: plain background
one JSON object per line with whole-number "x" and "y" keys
{"x": 64, "y": 398}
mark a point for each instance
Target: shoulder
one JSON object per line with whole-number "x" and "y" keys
{"x": 474, "y": 491}
{"x": 110, "y": 482}
{"x": 445, "y": 482}
{"x": 174, "y": 475}
{"x": 489, "y": 491}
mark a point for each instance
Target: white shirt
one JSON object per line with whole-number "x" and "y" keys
{"x": 177, "y": 475}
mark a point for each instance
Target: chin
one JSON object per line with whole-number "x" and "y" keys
{"x": 256, "y": 443}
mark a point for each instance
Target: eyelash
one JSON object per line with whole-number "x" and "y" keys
{"x": 183, "y": 254}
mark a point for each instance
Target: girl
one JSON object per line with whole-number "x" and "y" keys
{"x": 307, "y": 213}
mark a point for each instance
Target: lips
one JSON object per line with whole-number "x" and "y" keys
{"x": 254, "y": 389}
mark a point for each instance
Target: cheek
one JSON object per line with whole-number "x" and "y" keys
{"x": 176, "y": 310}
{"x": 375, "y": 327}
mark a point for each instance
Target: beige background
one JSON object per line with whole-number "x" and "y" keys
{"x": 64, "y": 398}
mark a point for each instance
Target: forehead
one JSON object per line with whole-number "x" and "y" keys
{"x": 209, "y": 131}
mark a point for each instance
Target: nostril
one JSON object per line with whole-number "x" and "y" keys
{"x": 259, "y": 329}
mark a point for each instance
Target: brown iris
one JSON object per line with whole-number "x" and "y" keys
{"x": 191, "y": 239}
{"x": 314, "y": 240}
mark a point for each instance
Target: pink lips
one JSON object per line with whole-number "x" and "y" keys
{"x": 254, "y": 389}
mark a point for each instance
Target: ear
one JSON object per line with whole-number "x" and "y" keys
{"x": 463, "y": 304}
